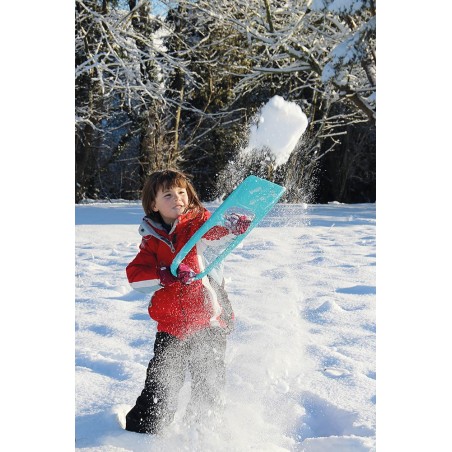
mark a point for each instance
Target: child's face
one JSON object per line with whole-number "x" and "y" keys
{"x": 171, "y": 202}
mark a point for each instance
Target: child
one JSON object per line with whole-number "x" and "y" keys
{"x": 193, "y": 317}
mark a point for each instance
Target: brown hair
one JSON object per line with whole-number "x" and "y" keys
{"x": 165, "y": 179}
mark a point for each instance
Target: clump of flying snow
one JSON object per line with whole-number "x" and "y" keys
{"x": 278, "y": 128}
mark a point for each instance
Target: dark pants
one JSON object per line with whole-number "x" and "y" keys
{"x": 203, "y": 355}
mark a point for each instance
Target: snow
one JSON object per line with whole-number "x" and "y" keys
{"x": 300, "y": 364}
{"x": 339, "y": 6}
{"x": 278, "y": 128}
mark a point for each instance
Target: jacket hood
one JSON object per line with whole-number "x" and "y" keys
{"x": 148, "y": 223}
{"x": 155, "y": 228}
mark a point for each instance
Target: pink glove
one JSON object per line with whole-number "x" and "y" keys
{"x": 236, "y": 223}
{"x": 185, "y": 274}
{"x": 166, "y": 277}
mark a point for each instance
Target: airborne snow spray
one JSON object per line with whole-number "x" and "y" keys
{"x": 272, "y": 136}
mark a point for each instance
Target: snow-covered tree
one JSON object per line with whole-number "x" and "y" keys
{"x": 180, "y": 90}
{"x": 120, "y": 68}
{"x": 321, "y": 54}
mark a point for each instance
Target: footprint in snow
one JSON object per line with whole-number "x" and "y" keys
{"x": 358, "y": 290}
{"x": 275, "y": 273}
{"x": 335, "y": 372}
{"x": 132, "y": 295}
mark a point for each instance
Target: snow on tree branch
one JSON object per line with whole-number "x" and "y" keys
{"x": 341, "y": 7}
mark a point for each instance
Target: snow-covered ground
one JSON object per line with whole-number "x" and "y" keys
{"x": 301, "y": 372}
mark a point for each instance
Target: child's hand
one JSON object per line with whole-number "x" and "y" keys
{"x": 185, "y": 274}
{"x": 166, "y": 277}
{"x": 236, "y": 223}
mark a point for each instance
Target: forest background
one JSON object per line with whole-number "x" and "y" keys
{"x": 177, "y": 84}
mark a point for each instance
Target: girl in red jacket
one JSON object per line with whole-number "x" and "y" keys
{"x": 193, "y": 317}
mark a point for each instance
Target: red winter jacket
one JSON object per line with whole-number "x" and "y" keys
{"x": 179, "y": 309}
